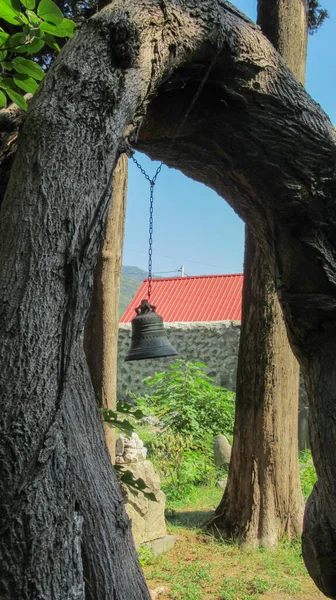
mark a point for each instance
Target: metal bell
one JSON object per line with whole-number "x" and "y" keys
{"x": 148, "y": 335}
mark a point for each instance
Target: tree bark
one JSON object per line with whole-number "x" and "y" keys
{"x": 266, "y": 482}
{"x": 256, "y": 137}
{"x": 101, "y": 329}
{"x": 285, "y": 24}
{"x": 263, "y": 500}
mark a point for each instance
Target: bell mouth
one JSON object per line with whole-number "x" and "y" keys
{"x": 158, "y": 347}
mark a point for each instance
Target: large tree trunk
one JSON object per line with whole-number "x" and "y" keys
{"x": 263, "y": 500}
{"x": 264, "y": 470}
{"x": 102, "y": 325}
{"x": 258, "y": 139}
{"x": 101, "y": 329}
{"x": 285, "y": 24}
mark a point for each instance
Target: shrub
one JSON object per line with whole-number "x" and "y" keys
{"x": 182, "y": 462}
{"x": 187, "y": 401}
{"x": 307, "y": 472}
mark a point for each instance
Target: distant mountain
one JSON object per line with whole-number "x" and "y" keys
{"x": 131, "y": 279}
{"x": 134, "y": 273}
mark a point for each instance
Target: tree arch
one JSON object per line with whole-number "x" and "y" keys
{"x": 255, "y": 136}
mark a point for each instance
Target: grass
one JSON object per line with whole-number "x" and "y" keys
{"x": 202, "y": 568}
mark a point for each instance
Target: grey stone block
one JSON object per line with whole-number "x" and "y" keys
{"x": 161, "y": 545}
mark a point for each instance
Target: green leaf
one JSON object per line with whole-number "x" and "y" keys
{"x": 26, "y": 83}
{"x": 32, "y": 47}
{"x": 3, "y": 100}
{"x": 8, "y": 65}
{"x": 48, "y": 11}
{"x": 28, "y": 67}
{"x": 29, "y": 4}
{"x": 15, "y": 40}
{"x": 3, "y": 37}
{"x": 32, "y": 17}
{"x": 6, "y": 83}
{"x": 9, "y": 14}
{"x": 65, "y": 29}
{"x": 14, "y": 5}
{"x": 17, "y": 99}
{"x": 51, "y": 42}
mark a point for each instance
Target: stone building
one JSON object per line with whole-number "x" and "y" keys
{"x": 202, "y": 320}
{"x": 202, "y": 317}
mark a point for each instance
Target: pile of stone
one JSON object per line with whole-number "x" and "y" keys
{"x": 130, "y": 449}
{"x": 147, "y": 516}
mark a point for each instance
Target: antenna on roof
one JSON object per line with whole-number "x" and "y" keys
{"x": 181, "y": 270}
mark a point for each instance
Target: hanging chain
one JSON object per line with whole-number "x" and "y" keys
{"x": 150, "y": 242}
{"x": 152, "y": 181}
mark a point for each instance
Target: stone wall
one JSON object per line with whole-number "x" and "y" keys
{"x": 214, "y": 343}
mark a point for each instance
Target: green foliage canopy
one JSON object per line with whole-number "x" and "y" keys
{"x": 316, "y": 15}
{"x": 25, "y": 28}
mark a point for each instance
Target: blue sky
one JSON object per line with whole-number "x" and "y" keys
{"x": 193, "y": 226}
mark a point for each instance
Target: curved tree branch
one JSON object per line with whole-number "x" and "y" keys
{"x": 255, "y": 136}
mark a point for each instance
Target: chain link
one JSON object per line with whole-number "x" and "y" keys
{"x": 150, "y": 241}
{"x": 152, "y": 183}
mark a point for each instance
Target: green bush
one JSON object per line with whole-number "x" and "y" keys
{"x": 27, "y": 27}
{"x": 192, "y": 410}
{"x": 307, "y": 472}
{"x": 181, "y": 462}
{"x": 187, "y": 401}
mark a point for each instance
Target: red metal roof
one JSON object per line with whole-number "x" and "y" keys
{"x": 192, "y": 299}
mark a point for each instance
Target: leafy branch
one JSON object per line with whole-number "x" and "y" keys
{"x": 38, "y": 26}
{"x": 316, "y": 16}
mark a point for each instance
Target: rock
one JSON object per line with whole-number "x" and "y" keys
{"x": 222, "y": 483}
{"x": 130, "y": 449}
{"x": 131, "y": 455}
{"x": 154, "y": 594}
{"x": 151, "y": 421}
{"x": 147, "y": 516}
{"x": 120, "y": 446}
{"x": 140, "y": 444}
{"x": 222, "y": 451}
{"x": 162, "y": 545}
{"x": 131, "y": 442}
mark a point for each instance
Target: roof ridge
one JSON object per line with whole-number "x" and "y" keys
{"x": 194, "y": 277}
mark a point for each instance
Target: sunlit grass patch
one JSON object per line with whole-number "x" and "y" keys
{"x": 200, "y": 567}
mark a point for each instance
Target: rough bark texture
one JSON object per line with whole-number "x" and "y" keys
{"x": 263, "y": 499}
{"x": 101, "y": 329}
{"x": 11, "y": 120}
{"x": 285, "y": 24}
{"x": 258, "y": 139}
{"x": 265, "y": 480}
